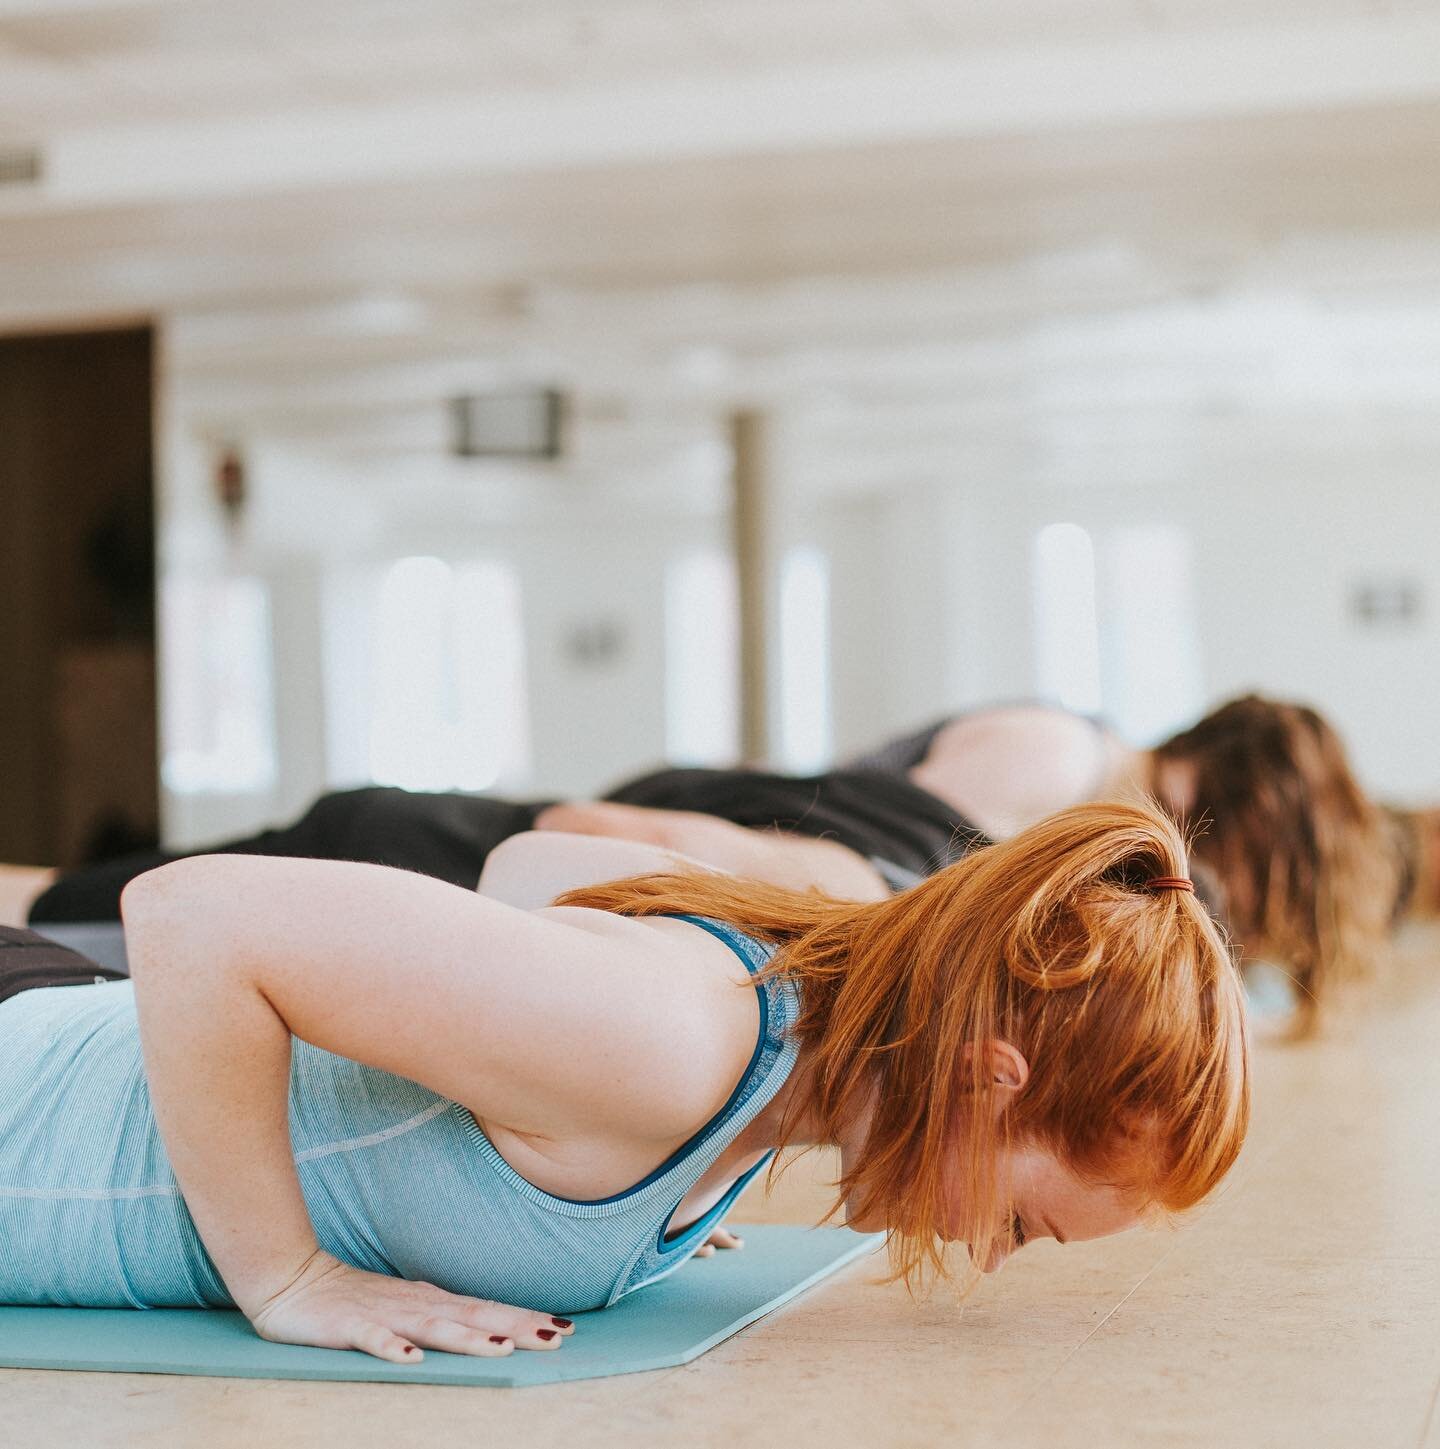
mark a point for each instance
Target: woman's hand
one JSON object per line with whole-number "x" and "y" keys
{"x": 702, "y": 836}
{"x": 720, "y": 1238}
{"x": 332, "y": 1305}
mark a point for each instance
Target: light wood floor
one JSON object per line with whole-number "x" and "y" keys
{"x": 1301, "y": 1308}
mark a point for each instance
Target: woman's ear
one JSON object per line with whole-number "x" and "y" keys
{"x": 1002, "y": 1063}
{"x": 1003, "y": 1066}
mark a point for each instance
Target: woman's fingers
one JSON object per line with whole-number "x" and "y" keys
{"x": 480, "y": 1334}
{"x": 437, "y": 1331}
{"x": 396, "y": 1320}
{"x": 576, "y": 817}
{"x": 382, "y": 1342}
{"x": 605, "y": 817}
{"x": 527, "y": 1329}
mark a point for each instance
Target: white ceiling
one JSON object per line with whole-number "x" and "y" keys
{"x": 68, "y": 64}
{"x": 172, "y": 101}
{"x": 908, "y": 217}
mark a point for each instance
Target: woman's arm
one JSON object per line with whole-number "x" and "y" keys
{"x": 798, "y": 862}
{"x": 530, "y": 869}
{"x": 513, "y": 1014}
{"x": 20, "y": 887}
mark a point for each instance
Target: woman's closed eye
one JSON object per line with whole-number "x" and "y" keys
{"x": 1017, "y": 1231}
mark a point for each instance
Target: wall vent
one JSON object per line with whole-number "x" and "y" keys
{"x": 19, "y": 166}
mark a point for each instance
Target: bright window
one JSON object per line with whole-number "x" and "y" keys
{"x": 217, "y": 697}
{"x": 1118, "y": 612}
{"x": 1151, "y": 642}
{"x": 1067, "y": 634}
{"x": 425, "y": 676}
{"x": 702, "y": 658}
{"x": 805, "y": 725}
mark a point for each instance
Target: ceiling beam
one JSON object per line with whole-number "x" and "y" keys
{"x": 1147, "y": 77}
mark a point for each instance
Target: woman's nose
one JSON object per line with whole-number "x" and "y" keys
{"x": 997, "y": 1255}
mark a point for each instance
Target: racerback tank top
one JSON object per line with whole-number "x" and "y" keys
{"x": 397, "y": 1179}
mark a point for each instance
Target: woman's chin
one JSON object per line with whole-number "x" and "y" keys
{"x": 864, "y": 1222}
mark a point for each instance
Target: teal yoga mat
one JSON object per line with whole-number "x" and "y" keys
{"x": 675, "y": 1321}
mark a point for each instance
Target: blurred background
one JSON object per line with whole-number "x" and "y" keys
{"x": 511, "y": 394}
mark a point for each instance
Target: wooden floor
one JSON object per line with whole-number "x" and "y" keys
{"x": 1301, "y": 1308}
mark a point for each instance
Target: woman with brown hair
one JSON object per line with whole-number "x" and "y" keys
{"x": 377, "y": 1111}
{"x": 1300, "y": 863}
{"x": 1309, "y": 864}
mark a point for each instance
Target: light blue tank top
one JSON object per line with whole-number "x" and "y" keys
{"x": 397, "y": 1179}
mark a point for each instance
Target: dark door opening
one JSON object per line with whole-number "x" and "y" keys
{"x": 78, "y": 732}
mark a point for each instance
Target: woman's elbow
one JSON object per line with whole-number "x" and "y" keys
{"x": 163, "y": 906}
{"x": 155, "y": 890}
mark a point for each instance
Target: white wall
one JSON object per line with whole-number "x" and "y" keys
{"x": 1285, "y": 519}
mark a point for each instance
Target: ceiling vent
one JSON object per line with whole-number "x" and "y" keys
{"x": 19, "y": 166}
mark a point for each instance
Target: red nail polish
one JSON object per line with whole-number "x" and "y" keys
{"x": 562, "y": 1323}
{"x": 409, "y": 1348}
{"x": 546, "y": 1333}
{"x": 495, "y": 1338}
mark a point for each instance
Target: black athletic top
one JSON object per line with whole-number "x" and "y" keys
{"x": 904, "y": 831}
{"x": 28, "y": 962}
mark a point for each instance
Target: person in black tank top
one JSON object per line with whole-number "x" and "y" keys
{"x": 903, "y": 832}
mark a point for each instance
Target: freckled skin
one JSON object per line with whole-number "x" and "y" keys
{"x": 1052, "y": 1202}
{"x": 1030, "y": 1181}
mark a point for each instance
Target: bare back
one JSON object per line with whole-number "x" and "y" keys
{"x": 1007, "y": 768}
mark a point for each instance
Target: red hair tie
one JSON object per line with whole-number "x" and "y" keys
{"x": 1170, "y": 883}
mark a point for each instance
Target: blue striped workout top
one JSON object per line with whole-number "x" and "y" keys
{"x": 397, "y": 1179}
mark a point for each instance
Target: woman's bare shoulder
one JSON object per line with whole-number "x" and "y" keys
{"x": 1030, "y": 721}
{"x": 691, "y": 987}
{"x": 1007, "y": 767}
{"x": 703, "y": 1024}
{"x": 677, "y": 965}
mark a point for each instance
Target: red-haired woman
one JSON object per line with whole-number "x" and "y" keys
{"x": 381, "y": 1112}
